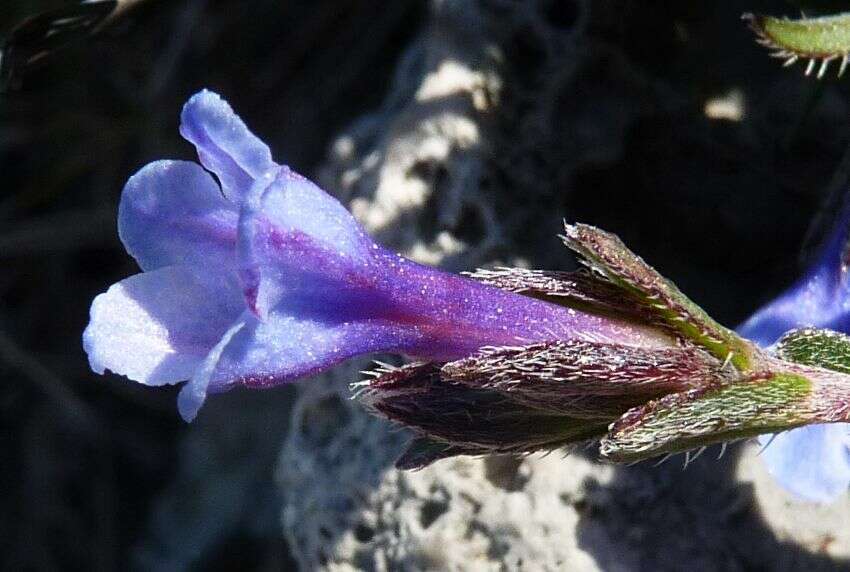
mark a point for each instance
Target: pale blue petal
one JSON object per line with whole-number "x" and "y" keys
{"x": 832, "y": 260}
{"x": 194, "y": 393}
{"x": 293, "y": 236}
{"x": 280, "y": 349}
{"x": 284, "y": 348}
{"x": 813, "y": 462}
{"x": 157, "y": 327}
{"x": 172, "y": 212}
{"x": 808, "y": 303}
{"x": 225, "y": 145}
{"x": 821, "y": 298}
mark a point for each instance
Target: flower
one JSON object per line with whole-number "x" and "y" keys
{"x": 253, "y": 276}
{"x": 812, "y": 462}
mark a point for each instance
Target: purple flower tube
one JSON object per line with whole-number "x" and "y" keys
{"x": 256, "y": 277}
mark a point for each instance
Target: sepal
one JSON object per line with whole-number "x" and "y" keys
{"x": 817, "y": 347}
{"x": 697, "y": 418}
{"x": 587, "y": 380}
{"x": 605, "y": 254}
{"x": 468, "y": 421}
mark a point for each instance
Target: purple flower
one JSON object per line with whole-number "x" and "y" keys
{"x": 813, "y": 461}
{"x": 253, "y": 276}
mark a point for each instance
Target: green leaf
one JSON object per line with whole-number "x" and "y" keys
{"x": 766, "y": 403}
{"x": 819, "y": 347}
{"x": 819, "y": 40}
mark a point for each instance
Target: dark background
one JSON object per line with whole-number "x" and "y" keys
{"x": 723, "y": 207}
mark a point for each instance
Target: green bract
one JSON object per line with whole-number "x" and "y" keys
{"x": 819, "y": 40}
{"x": 813, "y": 346}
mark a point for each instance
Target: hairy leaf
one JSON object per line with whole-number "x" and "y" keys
{"x": 819, "y": 40}
{"x": 818, "y": 347}
{"x": 582, "y": 291}
{"x": 606, "y": 254}
{"x": 587, "y": 379}
{"x": 475, "y": 420}
{"x": 701, "y": 417}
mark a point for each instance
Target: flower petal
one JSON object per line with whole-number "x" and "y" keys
{"x": 157, "y": 327}
{"x": 812, "y": 462}
{"x": 278, "y": 350}
{"x": 805, "y": 304}
{"x": 833, "y": 259}
{"x": 821, "y": 298}
{"x": 194, "y": 393}
{"x": 225, "y": 145}
{"x": 294, "y": 236}
{"x": 303, "y": 256}
{"x": 172, "y": 212}
{"x": 283, "y": 348}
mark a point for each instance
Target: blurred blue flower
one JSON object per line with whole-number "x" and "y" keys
{"x": 256, "y": 277}
{"x": 814, "y": 461}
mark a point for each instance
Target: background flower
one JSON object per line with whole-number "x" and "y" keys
{"x": 812, "y": 462}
